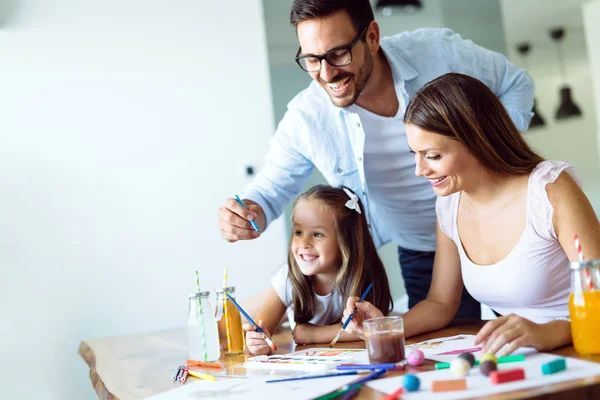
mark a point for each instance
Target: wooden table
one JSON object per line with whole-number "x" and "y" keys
{"x": 138, "y": 366}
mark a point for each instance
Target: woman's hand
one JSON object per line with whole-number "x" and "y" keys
{"x": 304, "y": 333}
{"x": 365, "y": 310}
{"x": 506, "y": 334}
{"x": 255, "y": 341}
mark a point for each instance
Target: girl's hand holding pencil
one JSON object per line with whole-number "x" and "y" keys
{"x": 256, "y": 341}
{"x": 364, "y": 311}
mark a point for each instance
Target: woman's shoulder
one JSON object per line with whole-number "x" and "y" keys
{"x": 545, "y": 182}
{"x": 550, "y": 171}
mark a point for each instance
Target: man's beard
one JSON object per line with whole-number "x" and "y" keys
{"x": 360, "y": 82}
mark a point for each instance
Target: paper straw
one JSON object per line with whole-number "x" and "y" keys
{"x": 578, "y": 247}
{"x": 225, "y": 301}
{"x": 204, "y": 354}
{"x": 586, "y": 272}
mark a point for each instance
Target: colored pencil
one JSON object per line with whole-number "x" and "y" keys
{"x": 301, "y": 378}
{"x": 339, "y": 392}
{"x": 358, "y": 367}
{"x": 198, "y": 375}
{"x": 195, "y": 363}
{"x": 336, "y": 338}
{"x": 267, "y": 339}
{"x": 237, "y": 198}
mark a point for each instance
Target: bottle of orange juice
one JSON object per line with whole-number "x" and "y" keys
{"x": 584, "y": 306}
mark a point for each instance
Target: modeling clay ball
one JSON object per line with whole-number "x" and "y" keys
{"x": 470, "y": 358}
{"x": 415, "y": 357}
{"x": 411, "y": 383}
{"x": 460, "y": 367}
{"x": 488, "y": 357}
{"x": 487, "y": 366}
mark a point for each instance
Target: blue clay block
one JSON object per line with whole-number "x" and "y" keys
{"x": 411, "y": 383}
{"x": 554, "y": 366}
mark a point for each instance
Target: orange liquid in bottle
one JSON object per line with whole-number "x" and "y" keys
{"x": 585, "y": 322}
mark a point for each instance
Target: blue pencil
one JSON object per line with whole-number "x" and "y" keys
{"x": 335, "y": 339}
{"x": 359, "y": 367}
{"x": 268, "y": 340}
{"x": 237, "y": 198}
{"x": 300, "y": 378}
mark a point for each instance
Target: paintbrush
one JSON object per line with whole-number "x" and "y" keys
{"x": 336, "y": 338}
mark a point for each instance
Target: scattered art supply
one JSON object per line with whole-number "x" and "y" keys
{"x": 501, "y": 360}
{"x": 199, "y": 375}
{"x": 359, "y": 367}
{"x": 385, "y": 339}
{"x": 488, "y": 357}
{"x": 507, "y": 375}
{"x": 411, "y": 383}
{"x": 395, "y": 395}
{"x": 237, "y": 198}
{"x": 470, "y": 358}
{"x": 267, "y": 339}
{"x": 450, "y": 385}
{"x": 487, "y": 366}
{"x": 314, "y": 359}
{"x": 175, "y": 373}
{"x": 336, "y": 338}
{"x": 552, "y": 367}
{"x": 301, "y": 378}
{"x": 460, "y": 367}
{"x": 202, "y": 364}
{"x": 415, "y": 357}
{"x": 351, "y": 393}
{"x": 459, "y": 351}
{"x": 340, "y": 392}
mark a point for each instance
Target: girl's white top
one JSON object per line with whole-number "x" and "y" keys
{"x": 328, "y": 308}
{"x": 533, "y": 280}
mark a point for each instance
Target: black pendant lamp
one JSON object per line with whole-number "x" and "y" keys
{"x": 536, "y": 120}
{"x": 407, "y": 5}
{"x": 567, "y": 107}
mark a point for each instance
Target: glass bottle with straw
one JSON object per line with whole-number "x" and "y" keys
{"x": 229, "y": 321}
{"x": 203, "y": 337}
{"x": 584, "y": 303}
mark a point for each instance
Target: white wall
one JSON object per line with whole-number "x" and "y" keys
{"x": 574, "y": 140}
{"x": 591, "y": 16}
{"x": 124, "y": 125}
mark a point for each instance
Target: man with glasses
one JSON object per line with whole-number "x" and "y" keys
{"x": 349, "y": 124}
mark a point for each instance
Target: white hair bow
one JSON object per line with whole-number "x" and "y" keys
{"x": 353, "y": 202}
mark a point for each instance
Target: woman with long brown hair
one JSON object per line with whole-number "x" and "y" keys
{"x": 331, "y": 257}
{"x": 506, "y": 220}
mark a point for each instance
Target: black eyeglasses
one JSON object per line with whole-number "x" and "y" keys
{"x": 338, "y": 57}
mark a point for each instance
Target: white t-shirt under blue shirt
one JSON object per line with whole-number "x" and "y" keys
{"x": 406, "y": 201}
{"x": 328, "y": 309}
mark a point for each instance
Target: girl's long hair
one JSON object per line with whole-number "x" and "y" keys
{"x": 359, "y": 262}
{"x": 465, "y": 109}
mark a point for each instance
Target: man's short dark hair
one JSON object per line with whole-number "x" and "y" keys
{"x": 360, "y": 11}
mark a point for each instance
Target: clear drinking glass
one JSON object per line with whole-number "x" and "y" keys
{"x": 229, "y": 322}
{"x": 584, "y": 306}
{"x": 203, "y": 339}
{"x": 385, "y": 339}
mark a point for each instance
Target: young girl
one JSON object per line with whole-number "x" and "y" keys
{"x": 331, "y": 257}
{"x": 506, "y": 220}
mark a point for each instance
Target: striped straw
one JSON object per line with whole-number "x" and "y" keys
{"x": 225, "y": 301}
{"x": 578, "y": 247}
{"x": 204, "y": 354}
{"x": 586, "y": 272}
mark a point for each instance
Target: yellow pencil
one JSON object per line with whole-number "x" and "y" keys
{"x": 198, "y": 375}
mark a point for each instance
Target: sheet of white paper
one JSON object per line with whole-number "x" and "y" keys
{"x": 313, "y": 359}
{"x": 436, "y": 349}
{"x": 244, "y": 389}
{"x": 480, "y": 385}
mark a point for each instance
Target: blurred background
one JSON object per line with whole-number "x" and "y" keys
{"x": 125, "y": 124}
